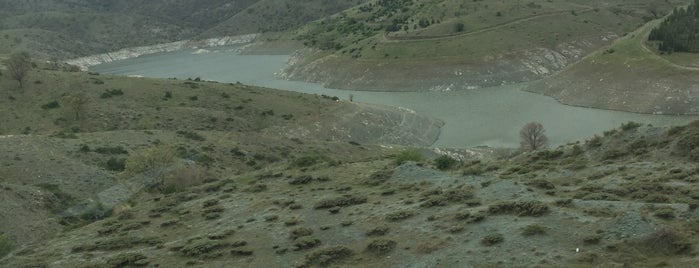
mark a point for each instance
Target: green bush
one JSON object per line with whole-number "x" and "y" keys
{"x": 445, "y": 162}
{"x": 412, "y": 154}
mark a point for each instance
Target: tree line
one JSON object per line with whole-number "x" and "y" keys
{"x": 679, "y": 32}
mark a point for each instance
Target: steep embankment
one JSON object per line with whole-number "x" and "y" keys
{"x": 627, "y": 76}
{"x": 424, "y": 45}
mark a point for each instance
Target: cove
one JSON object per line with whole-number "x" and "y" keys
{"x": 486, "y": 116}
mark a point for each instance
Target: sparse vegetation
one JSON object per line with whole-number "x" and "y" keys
{"x": 412, "y": 154}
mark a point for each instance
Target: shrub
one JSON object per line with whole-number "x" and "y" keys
{"x": 533, "y": 229}
{"x": 300, "y": 232}
{"x": 127, "y": 260}
{"x": 306, "y": 161}
{"x": 412, "y": 154}
{"x": 594, "y": 142}
{"x": 665, "y": 213}
{"x": 306, "y": 242}
{"x": 519, "y": 208}
{"x": 445, "y": 162}
{"x": 665, "y": 242}
{"x": 400, "y": 215}
{"x": 381, "y": 246}
{"x": 342, "y": 201}
{"x": 492, "y": 239}
{"x": 630, "y": 125}
{"x": 203, "y": 248}
{"x": 326, "y": 256}
{"x": 378, "y": 231}
{"x": 116, "y": 164}
{"x": 51, "y": 105}
{"x": 155, "y": 157}
{"x": 111, "y": 93}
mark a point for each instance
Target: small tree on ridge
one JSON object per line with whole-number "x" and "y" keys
{"x": 532, "y": 138}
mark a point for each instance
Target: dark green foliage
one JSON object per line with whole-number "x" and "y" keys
{"x": 51, "y": 105}
{"x": 459, "y": 27}
{"x": 445, "y": 162}
{"x": 116, "y": 164}
{"x": 680, "y": 31}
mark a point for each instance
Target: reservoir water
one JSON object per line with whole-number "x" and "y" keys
{"x": 487, "y": 116}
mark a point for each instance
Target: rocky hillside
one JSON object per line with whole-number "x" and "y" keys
{"x": 627, "y": 198}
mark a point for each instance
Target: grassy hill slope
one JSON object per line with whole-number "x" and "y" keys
{"x": 628, "y": 198}
{"x": 75, "y": 143}
{"x": 629, "y": 75}
{"x": 444, "y": 44}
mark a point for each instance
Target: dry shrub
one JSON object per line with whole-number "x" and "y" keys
{"x": 123, "y": 211}
{"x": 183, "y": 178}
{"x": 151, "y": 158}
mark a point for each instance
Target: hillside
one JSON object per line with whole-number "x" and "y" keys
{"x": 68, "y": 29}
{"x": 451, "y": 45}
{"x": 629, "y": 75}
{"x": 68, "y": 139}
{"x": 626, "y": 199}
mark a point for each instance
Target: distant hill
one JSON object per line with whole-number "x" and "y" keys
{"x": 451, "y": 45}
{"x": 65, "y": 29}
